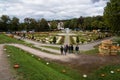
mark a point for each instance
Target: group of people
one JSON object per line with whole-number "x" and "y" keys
{"x": 69, "y": 49}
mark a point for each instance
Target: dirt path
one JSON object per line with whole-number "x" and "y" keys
{"x": 38, "y": 53}
{"x": 5, "y": 73}
{"x": 67, "y": 39}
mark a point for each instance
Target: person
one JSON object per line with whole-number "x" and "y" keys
{"x": 69, "y": 48}
{"x": 65, "y": 49}
{"x": 72, "y": 48}
{"x": 77, "y": 49}
{"x": 24, "y": 35}
{"x": 61, "y": 49}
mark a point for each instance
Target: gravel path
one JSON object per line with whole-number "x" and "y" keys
{"x": 5, "y": 73}
{"x": 83, "y": 47}
{"x": 67, "y": 39}
{"x": 46, "y": 55}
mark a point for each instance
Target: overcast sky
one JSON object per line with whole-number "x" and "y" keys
{"x": 52, "y": 9}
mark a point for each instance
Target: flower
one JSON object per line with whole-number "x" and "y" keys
{"x": 84, "y": 75}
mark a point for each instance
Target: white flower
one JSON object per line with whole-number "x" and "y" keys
{"x": 112, "y": 72}
{"x": 84, "y": 75}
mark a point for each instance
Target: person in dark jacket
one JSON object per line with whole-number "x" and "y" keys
{"x": 72, "y": 48}
{"x": 65, "y": 49}
{"x": 77, "y": 49}
{"x": 61, "y": 50}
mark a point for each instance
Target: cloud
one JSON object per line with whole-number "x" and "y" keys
{"x": 94, "y": 1}
{"x": 52, "y": 9}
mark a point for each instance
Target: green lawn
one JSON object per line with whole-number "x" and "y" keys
{"x": 111, "y": 72}
{"x": 33, "y": 69}
{"x": 5, "y": 39}
{"x": 43, "y": 50}
{"x": 93, "y": 51}
{"x": 52, "y": 47}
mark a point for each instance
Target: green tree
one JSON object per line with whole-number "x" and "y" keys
{"x": 14, "y": 24}
{"x": 73, "y": 24}
{"x": 67, "y": 24}
{"x": 54, "y": 39}
{"x": 44, "y": 25}
{"x": 4, "y": 23}
{"x": 53, "y": 25}
{"x": 112, "y": 15}
{"x": 94, "y": 24}
{"x": 77, "y": 39}
{"x": 81, "y": 22}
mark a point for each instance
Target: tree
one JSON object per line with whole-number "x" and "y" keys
{"x": 27, "y": 22}
{"x": 67, "y": 24}
{"x": 80, "y": 22}
{"x": 14, "y": 24}
{"x": 94, "y": 24}
{"x": 77, "y": 39}
{"x": 44, "y": 25}
{"x": 54, "y": 39}
{"x": 73, "y": 24}
{"x": 112, "y": 15}
{"x": 53, "y": 25}
{"x": 4, "y": 22}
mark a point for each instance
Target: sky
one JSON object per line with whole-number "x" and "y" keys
{"x": 52, "y": 9}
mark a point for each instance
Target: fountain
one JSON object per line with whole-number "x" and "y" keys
{"x": 67, "y": 30}
{"x": 67, "y": 35}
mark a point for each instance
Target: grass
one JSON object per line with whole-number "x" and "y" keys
{"x": 5, "y": 39}
{"x": 43, "y": 50}
{"x": 52, "y": 47}
{"x": 115, "y": 75}
{"x": 33, "y": 69}
{"x": 72, "y": 40}
{"x": 117, "y": 39}
{"x": 93, "y": 51}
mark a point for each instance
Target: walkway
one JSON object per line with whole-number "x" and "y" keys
{"x": 82, "y": 47}
{"x": 67, "y": 39}
{"x": 5, "y": 72}
{"x": 45, "y": 55}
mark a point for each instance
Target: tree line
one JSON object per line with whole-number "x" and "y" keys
{"x": 109, "y": 21}
{"x": 82, "y": 23}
